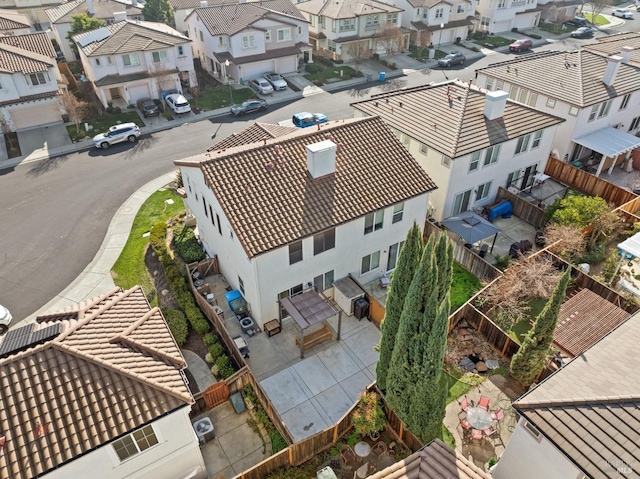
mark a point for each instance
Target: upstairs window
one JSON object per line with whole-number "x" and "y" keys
{"x": 475, "y": 160}
{"x": 248, "y": 41}
{"x": 439, "y": 12}
{"x": 537, "y": 136}
{"x": 392, "y": 18}
{"x": 373, "y": 221}
{"x": 347, "y": 25}
{"x": 135, "y": 443}
{"x": 284, "y": 34}
{"x": 324, "y": 241}
{"x": 625, "y": 101}
{"x": 160, "y": 57}
{"x": 39, "y": 78}
{"x": 491, "y": 156}
{"x": 461, "y": 8}
{"x": 295, "y": 252}
{"x": 370, "y": 262}
{"x": 523, "y": 144}
{"x": 130, "y": 60}
{"x": 398, "y": 212}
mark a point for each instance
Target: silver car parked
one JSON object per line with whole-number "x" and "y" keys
{"x": 117, "y": 134}
{"x": 262, "y": 86}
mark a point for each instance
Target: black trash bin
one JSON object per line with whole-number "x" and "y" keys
{"x": 361, "y": 308}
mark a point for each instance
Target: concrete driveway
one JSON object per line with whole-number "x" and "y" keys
{"x": 43, "y": 139}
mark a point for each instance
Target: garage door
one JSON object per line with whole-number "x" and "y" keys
{"x": 138, "y": 92}
{"x": 35, "y": 116}
{"x": 502, "y": 26}
{"x": 287, "y": 65}
{"x": 255, "y": 70}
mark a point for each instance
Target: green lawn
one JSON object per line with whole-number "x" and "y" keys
{"x": 521, "y": 328}
{"x": 600, "y": 20}
{"x": 102, "y": 124}
{"x": 219, "y": 97}
{"x": 332, "y": 72}
{"x": 463, "y": 286}
{"x": 130, "y": 268}
{"x": 424, "y": 53}
{"x": 493, "y": 42}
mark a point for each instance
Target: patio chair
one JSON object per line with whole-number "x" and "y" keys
{"x": 347, "y": 454}
{"x": 477, "y": 434}
{"x": 497, "y": 415}
{"x": 464, "y": 405}
{"x": 379, "y": 448}
{"x": 489, "y": 432}
{"x": 484, "y": 403}
{"x": 466, "y": 425}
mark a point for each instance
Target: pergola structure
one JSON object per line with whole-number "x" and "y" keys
{"x": 308, "y": 309}
{"x": 610, "y": 143}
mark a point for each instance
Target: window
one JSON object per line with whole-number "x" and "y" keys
{"x": 483, "y": 191}
{"x": 512, "y": 178}
{"x": 347, "y": 25}
{"x": 211, "y": 216}
{"x": 460, "y": 8}
{"x": 130, "y": 60}
{"x": 267, "y": 37}
{"x": 39, "y": 78}
{"x": 241, "y": 285}
{"x": 499, "y": 85}
{"x": 299, "y": 30}
{"x": 323, "y": 281}
{"x": 522, "y": 144}
{"x": 295, "y": 252}
{"x": 284, "y": 34}
{"x": 248, "y": 41}
{"x": 484, "y": 22}
{"x": 392, "y": 18}
{"x": 220, "y": 41}
{"x": 373, "y": 20}
{"x": 593, "y": 112}
{"x": 201, "y": 38}
{"x": 634, "y": 123}
{"x": 489, "y": 84}
{"x": 551, "y": 103}
{"x": 491, "y": 156}
{"x": 446, "y": 161}
{"x": 135, "y": 443}
{"x": 392, "y": 259}
{"x": 109, "y": 60}
{"x": 522, "y": 97}
{"x": 604, "y": 109}
{"x": 573, "y": 111}
{"x": 439, "y": 12}
{"x": 324, "y": 241}
{"x": 537, "y": 136}
{"x": 461, "y": 202}
{"x": 219, "y": 225}
{"x": 97, "y": 62}
{"x": 312, "y": 20}
{"x": 370, "y": 262}
{"x": 373, "y": 221}
{"x": 424, "y": 149}
{"x": 204, "y": 205}
{"x": 502, "y": 3}
{"x": 513, "y": 92}
{"x": 160, "y": 57}
{"x": 533, "y": 98}
{"x": 180, "y": 51}
{"x": 625, "y": 101}
{"x": 475, "y": 160}
{"x": 331, "y": 45}
{"x": 398, "y": 211}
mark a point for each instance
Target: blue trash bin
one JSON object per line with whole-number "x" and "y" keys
{"x": 382, "y": 76}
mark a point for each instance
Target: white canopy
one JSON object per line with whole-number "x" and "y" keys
{"x": 631, "y": 245}
{"x": 609, "y": 141}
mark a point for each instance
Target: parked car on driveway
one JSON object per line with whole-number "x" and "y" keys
{"x": 583, "y": 32}
{"x": 262, "y": 86}
{"x": 249, "y": 106}
{"x": 277, "y": 82}
{"x": 622, "y": 13}
{"x": 455, "y": 58}
{"x": 577, "y": 22}
{"x": 148, "y": 107}
{"x": 117, "y": 134}
{"x": 177, "y": 103}
{"x": 520, "y": 45}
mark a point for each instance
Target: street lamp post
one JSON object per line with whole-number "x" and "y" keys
{"x": 439, "y": 39}
{"x": 226, "y": 70}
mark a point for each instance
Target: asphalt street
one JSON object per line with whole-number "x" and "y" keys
{"x": 57, "y": 211}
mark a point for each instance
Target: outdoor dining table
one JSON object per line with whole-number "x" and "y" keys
{"x": 362, "y": 449}
{"x": 479, "y": 418}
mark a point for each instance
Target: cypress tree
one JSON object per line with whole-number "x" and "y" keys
{"x": 530, "y": 358}
{"x": 408, "y": 260}
{"x": 444, "y": 258}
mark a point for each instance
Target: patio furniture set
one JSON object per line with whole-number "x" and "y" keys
{"x": 479, "y": 421}
{"x": 364, "y": 456}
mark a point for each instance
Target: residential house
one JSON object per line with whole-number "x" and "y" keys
{"x": 30, "y": 82}
{"x": 306, "y": 208}
{"x": 336, "y": 25}
{"x": 105, "y": 10}
{"x": 181, "y": 10}
{"x": 598, "y": 97}
{"x": 438, "y": 22}
{"x": 581, "y": 422}
{"x": 502, "y": 15}
{"x": 469, "y": 140}
{"x": 243, "y": 41}
{"x": 130, "y": 60}
{"x": 28, "y": 12}
{"x": 97, "y": 390}
{"x": 13, "y": 23}
{"x": 555, "y": 11}
{"x": 614, "y": 44}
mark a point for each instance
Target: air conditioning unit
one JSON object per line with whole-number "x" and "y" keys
{"x": 204, "y": 430}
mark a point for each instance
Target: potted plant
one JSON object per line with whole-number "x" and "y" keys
{"x": 368, "y": 416}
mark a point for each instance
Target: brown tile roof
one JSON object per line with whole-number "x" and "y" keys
{"x": 571, "y": 77}
{"x": 267, "y": 55}
{"x": 38, "y": 42}
{"x": 435, "y": 461}
{"x": 270, "y": 200}
{"x": 338, "y": 9}
{"x": 612, "y": 45}
{"x": 103, "y": 10}
{"x": 584, "y": 319}
{"x": 255, "y": 133}
{"x": 589, "y": 408}
{"x": 37, "y": 96}
{"x": 14, "y": 59}
{"x": 116, "y": 78}
{"x": 229, "y": 19}
{"x": 12, "y": 20}
{"x": 130, "y": 36}
{"x": 427, "y": 3}
{"x": 456, "y": 127}
{"x": 113, "y": 368}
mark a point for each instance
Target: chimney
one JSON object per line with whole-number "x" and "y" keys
{"x": 204, "y": 4}
{"x": 119, "y": 16}
{"x": 90, "y": 8}
{"x": 321, "y": 159}
{"x": 626, "y": 54}
{"x": 613, "y": 64}
{"x": 494, "y": 104}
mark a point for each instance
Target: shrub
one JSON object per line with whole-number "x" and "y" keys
{"x": 157, "y": 237}
{"x": 413, "y": 48}
{"x": 358, "y": 74}
{"x": 596, "y": 254}
{"x": 338, "y": 62}
{"x": 208, "y": 358}
{"x": 313, "y": 68}
{"x": 376, "y": 56}
{"x": 502, "y": 262}
{"x": 177, "y": 322}
{"x": 223, "y": 363}
{"x": 187, "y": 245}
{"x": 216, "y": 351}
{"x": 117, "y": 110}
{"x": 535, "y": 35}
{"x": 324, "y": 61}
{"x": 211, "y": 339}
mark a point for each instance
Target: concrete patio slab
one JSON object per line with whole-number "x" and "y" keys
{"x": 303, "y": 421}
{"x": 334, "y": 401}
{"x": 238, "y": 444}
{"x": 315, "y": 374}
{"x": 338, "y": 361}
{"x": 283, "y": 391}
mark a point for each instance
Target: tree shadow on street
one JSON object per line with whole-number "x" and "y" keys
{"x": 45, "y": 166}
{"x": 393, "y": 84}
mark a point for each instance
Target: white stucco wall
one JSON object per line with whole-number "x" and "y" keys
{"x": 176, "y": 456}
{"x": 528, "y": 457}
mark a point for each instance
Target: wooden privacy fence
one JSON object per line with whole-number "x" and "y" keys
{"x": 216, "y": 394}
{"x": 522, "y": 208}
{"x": 587, "y": 183}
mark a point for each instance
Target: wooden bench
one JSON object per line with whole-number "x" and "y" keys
{"x": 315, "y": 338}
{"x": 272, "y": 327}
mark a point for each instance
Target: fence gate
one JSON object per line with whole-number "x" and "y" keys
{"x": 216, "y": 394}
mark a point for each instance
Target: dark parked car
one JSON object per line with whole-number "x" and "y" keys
{"x": 520, "y": 45}
{"x": 249, "y": 106}
{"x": 583, "y": 32}
{"x": 452, "y": 59}
{"x": 148, "y": 107}
{"x": 577, "y": 22}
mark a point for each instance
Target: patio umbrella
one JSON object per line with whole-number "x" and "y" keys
{"x": 471, "y": 227}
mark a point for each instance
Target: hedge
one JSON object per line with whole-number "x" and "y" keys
{"x": 187, "y": 245}
{"x": 210, "y": 339}
{"x": 313, "y": 68}
{"x": 177, "y": 322}
{"x": 324, "y": 61}
{"x": 216, "y": 351}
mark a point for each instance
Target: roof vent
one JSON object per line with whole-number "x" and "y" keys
{"x": 494, "y": 104}
{"x": 626, "y": 54}
{"x": 204, "y": 4}
{"x": 119, "y": 16}
{"x": 90, "y": 8}
{"x": 321, "y": 158}
{"x": 613, "y": 64}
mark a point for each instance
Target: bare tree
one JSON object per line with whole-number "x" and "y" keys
{"x": 597, "y": 7}
{"x": 74, "y": 108}
{"x": 603, "y": 224}
{"x": 566, "y": 241}
{"x": 359, "y": 52}
{"x": 425, "y": 38}
{"x": 195, "y": 91}
{"x": 390, "y": 38}
{"x": 7, "y": 131}
{"x": 163, "y": 78}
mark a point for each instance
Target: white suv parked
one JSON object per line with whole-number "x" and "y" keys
{"x": 117, "y": 134}
{"x": 5, "y": 319}
{"x": 178, "y": 103}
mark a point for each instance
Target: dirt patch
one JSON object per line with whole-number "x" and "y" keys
{"x": 464, "y": 342}
{"x": 156, "y": 272}
{"x": 195, "y": 344}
